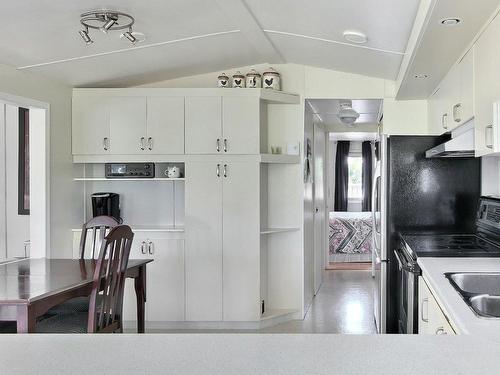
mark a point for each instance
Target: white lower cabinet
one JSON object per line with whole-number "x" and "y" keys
{"x": 222, "y": 241}
{"x": 165, "y": 289}
{"x": 431, "y": 319}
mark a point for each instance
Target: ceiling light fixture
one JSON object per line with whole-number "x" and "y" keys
{"x": 107, "y": 20}
{"x": 355, "y": 36}
{"x": 347, "y": 115}
{"x": 452, "y": 21}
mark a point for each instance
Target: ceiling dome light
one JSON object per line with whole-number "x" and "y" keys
{"x": 452, "y": 21}
{"x": 347, "y": 115}
{"x": 354, "y": 36}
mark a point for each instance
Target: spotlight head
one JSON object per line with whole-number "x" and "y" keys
{"x": 130, "y": 37}
{"x": 108, "y": 25}
{"x": 85, "y": 36}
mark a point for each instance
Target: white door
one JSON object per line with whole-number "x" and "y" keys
{"x": 241, "y": 241}
{"x": 319, "y": 206}
{"x": 127, "y": 120}
{"x": 203, "y": 125}
{"x": 165, "y": 125}
{"x": 165, "y": 280}
{"x": 203, "y": 220}
{"x": 241, "y": 125}
{"x": 90, "y": 125}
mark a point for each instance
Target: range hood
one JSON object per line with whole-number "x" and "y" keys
{"x": 461, "y": 144}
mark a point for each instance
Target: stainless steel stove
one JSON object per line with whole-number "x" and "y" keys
{"x": 485, "y": 242}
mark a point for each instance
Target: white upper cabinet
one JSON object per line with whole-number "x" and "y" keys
{"x": 486, "y": 88}
{"x": 241, "y": 125}
{"x": 127, "y": 123}
{"x": 452, "y": 103}
{"x": 90, "y": 125}
{"x": 165, "y": 125}
{"x": 203, "y": 125}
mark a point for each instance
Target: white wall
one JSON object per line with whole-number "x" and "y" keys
{"x": 65, "y": 195}
{"x": 308, "y": 216}
{"x": 17, "y": 226}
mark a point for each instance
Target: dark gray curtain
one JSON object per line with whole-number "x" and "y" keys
{"x": 366, "y": 153}
{"x": 341, "y": 176}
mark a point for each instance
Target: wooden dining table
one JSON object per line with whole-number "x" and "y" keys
{"x": 30, "y": 287}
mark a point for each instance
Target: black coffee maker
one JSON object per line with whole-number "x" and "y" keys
{"x": 107, "y": 204}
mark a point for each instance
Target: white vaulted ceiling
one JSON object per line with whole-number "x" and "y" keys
{"x": 186, "y": 37}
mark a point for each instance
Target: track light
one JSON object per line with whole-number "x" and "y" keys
{"x": 129, "y": 36}
{"x": 85, "y": 36}
{"x": 108, "y": 25}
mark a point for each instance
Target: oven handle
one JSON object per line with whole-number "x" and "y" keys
{"x": 402, "y": 265}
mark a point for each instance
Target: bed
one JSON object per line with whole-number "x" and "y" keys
{"x": 350, "y": 236}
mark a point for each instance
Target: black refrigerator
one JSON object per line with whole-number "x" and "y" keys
{"x": 437, "y": 195}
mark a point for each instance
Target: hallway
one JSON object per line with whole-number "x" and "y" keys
{"x": 344, "y": 304}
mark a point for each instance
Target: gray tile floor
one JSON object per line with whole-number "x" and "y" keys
{"x": 344, "y": 304}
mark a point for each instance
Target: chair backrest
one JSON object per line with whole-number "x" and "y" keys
{"x": 99, "y": 225}
{"x": 109, "y": 281}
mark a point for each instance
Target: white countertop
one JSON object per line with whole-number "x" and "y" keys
{"x": 455, "y": 308}
{"x": 248, "y": 354}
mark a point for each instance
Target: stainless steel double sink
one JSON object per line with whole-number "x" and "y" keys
{"x": 481, "y": 291}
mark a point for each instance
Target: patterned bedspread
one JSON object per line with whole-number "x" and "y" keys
{"x": 350, "y": 235}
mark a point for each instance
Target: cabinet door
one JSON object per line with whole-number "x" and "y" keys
{"x": 165, "y": 125}
{"x": 423, "y": 307}
{"x": 127, "y": 119}
{"x": 90, "y": 125}
{"x": 203, "y": 125}
{"x": 241, "y": 122}
{"x": 137, "y": 251}
{"x": 466, "y": 68}
{"x": 203, "y": 220}
{"x": 452, "y": 97}
{"x": 486, "y": 87}
{"x": 165, "y": 281}
{"x": 435, "y": 114}
{"x": 241, "y": 241}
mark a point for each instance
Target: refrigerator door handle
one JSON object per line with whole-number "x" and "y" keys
{"x": 376, "y": 230}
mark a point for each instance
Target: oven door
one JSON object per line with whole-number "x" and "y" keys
{"x": 407, "y": 278}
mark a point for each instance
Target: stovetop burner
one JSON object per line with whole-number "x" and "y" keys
{"x": 449, "y": 245}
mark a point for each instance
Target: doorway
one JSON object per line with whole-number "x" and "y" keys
{"x": 24, "y": 185}
{"x": 343, "y": 134}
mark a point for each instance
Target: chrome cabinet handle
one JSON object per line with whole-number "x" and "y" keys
{"x": 444, "y": 121}
{"x": 225, "y": 145}
{"x": 426, "y": 301}
{"x": 143, "y": 249}
{"x": 151, "y": 247}
{"x": 456, "y": 114}
{"x": 150, "y": 143}
{"x": 441, "y": 331}
{"x": 225, "y": 170}
{"x": 488, "y": 135}
{"x": 141, "y": 145}
{"x": 217, "y": 170}
{"x": 105, "y": 143}
{"x": 218, "y": 145}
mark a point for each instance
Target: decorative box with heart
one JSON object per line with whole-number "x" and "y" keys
{"x": 271, "y": 79}
{"x": 238, "y": 80}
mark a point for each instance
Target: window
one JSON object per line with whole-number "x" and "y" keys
{"x": 23, "y": 192}
{"x": 355, "y": 168}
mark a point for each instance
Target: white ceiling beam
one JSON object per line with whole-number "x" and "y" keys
{"x": 246, "y": 22}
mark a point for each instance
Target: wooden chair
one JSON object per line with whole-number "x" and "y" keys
{"x": 98, "y": 227}
{"x": 106, "y": 299}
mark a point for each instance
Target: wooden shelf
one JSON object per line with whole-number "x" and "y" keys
{"x": 127, "y": 179}
{"x": 280, "y": 159}
{"x": 149, "y": 228}
{"x": 277, "y": 230}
